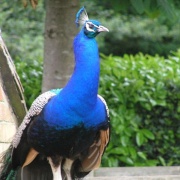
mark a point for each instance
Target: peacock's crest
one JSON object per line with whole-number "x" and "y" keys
{"x": 81, "y": 17}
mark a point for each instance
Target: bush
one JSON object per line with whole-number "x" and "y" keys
{"x": 143, "y": 92}
{"x": 133, "y": 34}
{"x": 22, "y": 30}
{"x": 30, "y": 72}
{"x": 143, "y": 95}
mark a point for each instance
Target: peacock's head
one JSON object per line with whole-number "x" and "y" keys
{"x": 91, "y": 28}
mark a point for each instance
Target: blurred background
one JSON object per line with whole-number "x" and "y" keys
{"x": 140, "y": 69}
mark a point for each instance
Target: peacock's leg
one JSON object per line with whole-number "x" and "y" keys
{"x": 67, "y": 168}
{"x": 56, "y": 168}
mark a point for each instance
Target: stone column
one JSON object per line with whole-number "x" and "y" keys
{"x": 8, "y": 121}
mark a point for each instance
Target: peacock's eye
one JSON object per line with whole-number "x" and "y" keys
{"x": 90, "y": 25}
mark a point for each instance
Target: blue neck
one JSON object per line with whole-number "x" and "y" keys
{"x": 82, "y": 88}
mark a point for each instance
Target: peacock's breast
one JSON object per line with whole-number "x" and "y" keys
{"x": 62, "y": 133}
{"x": 50, "y": 140}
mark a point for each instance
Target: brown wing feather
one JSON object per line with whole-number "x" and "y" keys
{"x": 96, "y": 150}
{"x": 30, "y": 157}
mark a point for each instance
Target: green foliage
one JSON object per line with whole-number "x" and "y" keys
{"x": 22, "y": 30}
{"x": 30, "y": 72}
{"x": 133, "y": 34}
{"x": 152, "y": 8}
{"x": 143, "y": 94}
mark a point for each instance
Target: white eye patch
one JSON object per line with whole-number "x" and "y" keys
{"x": 90, "y": 26}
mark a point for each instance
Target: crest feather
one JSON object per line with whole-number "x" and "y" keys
{"x": 81, "y": 17}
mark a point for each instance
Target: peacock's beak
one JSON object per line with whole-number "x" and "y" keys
{"x": 102, "y": 29}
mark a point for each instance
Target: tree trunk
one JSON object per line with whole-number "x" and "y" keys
{"x": 60, "y": 30}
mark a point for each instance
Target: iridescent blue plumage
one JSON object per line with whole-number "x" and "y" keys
{"x": 68, "y": 126}
{"x": 79, "y": 96}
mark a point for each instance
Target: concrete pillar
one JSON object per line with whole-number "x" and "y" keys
{"x": 12, "y": 103}
{"x": 8, "y": 121}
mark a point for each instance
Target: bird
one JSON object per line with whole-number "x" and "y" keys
{"x": 66, "y": 131}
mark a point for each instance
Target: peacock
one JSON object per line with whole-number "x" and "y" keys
{"x": 66, "y": 131}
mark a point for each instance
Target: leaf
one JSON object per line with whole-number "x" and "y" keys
{"x": 142, "y": 155}
{"x": 139, "y": 138}
{"x": 161, "y": 159}
{"x": 168, "y": 8}
{"x": 119, "y": 151}
{"x": 126, "y": 160}
{"x": 148, "y": 134}
{"x": 132, "y": 152}
{"x": 112, "y": 162}
{"x": 124, "y": 140}
{"x": 138, "y": 5}
{"x": 152, "y": 162}
{"x": 147, "y": 4}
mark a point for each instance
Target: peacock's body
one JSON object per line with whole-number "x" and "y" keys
{"x": 66, "y": 131}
